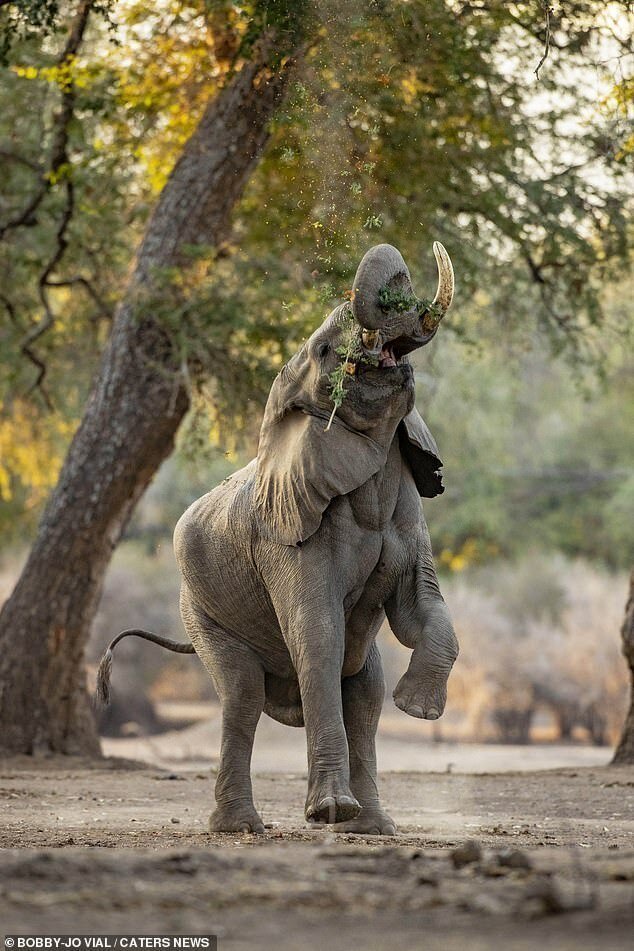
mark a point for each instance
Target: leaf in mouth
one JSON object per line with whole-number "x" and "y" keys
{"x": 350, "y": 353}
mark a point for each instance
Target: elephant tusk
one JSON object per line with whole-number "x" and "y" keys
{"x": 370, "y": 338}
{"x": 444, "y": 293}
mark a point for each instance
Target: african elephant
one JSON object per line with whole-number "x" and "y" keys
{"x": 290, "y": 566}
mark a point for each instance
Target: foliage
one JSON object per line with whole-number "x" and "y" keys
{"x": 350, "y": 354}
{"x": 536, "y": 454}
{"x": 391, "y": 299}
{"x": 31, "y": 454}
{"x": 338, "y": 377}
{"x": 427, "y": 124}
{"x": 405, "y": 120}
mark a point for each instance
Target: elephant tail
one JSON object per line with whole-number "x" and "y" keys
{"x": 102, "y": 690}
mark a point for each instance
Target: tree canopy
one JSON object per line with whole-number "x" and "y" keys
{"x": 407, "y": 122}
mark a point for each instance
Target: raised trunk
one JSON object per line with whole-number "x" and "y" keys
{"x": 625, "y": 750}
{"x": 137, "y": 403}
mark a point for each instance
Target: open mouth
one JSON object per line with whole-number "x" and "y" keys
{"x": 387, "y": 357}
{"x": 391, "y": 356}
{"x": 394, "y": 353}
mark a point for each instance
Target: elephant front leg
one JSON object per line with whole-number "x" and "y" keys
{"x": 419, "y": 618}
{"x": 316, "y": 646}
{"x": 362, "y": 703}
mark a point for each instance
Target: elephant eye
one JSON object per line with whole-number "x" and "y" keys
{"x": 323, "y": 349}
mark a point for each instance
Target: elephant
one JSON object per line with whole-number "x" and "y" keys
{"x": 290, "y": 566}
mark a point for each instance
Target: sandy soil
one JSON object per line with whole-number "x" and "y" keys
{"x": 118, "y": 848}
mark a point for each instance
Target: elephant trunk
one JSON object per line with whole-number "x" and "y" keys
{"x": 383, "y": 298}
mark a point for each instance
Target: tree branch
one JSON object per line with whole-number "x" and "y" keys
{"x": 12, "y": 156}
{"x": 30, "y": 355}
{"x": 10, "y": 309}
{"x": 548, "y": 10}
{"x": 58, "y": 156}
{"x": 90, "y": 290}
{"x": 48, "y": 318}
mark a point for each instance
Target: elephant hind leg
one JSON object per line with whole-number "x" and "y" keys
{"x": 363, "y": 696}
{"x": 238, "y": 677}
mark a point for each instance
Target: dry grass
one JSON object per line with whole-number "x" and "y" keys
{"x": 539, "y": 642}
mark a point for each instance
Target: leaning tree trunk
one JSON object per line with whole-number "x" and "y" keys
{"x": 625, "y": 749}
{"x": 137, "y": 403}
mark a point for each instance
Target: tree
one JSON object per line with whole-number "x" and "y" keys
{"x": 625, "y": 750}
{"x": 137, "y": 403}
{"x": 396, "y": 119}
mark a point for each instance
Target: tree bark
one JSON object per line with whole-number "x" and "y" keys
{"x": 137, "y": 403}
{"x": 625, "y": 750}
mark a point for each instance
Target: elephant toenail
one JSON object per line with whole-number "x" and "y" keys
{"x": 416, "y": 711}
{"x": 433, "y": 713}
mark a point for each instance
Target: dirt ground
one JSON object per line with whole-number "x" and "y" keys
{"x": 122, "y": 848}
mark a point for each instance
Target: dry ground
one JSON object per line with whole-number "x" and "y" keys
{"x": 120, "y": 848}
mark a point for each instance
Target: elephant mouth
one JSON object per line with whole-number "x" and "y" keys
{"x": 388, "y": 357}
{"x": 394, "y": 353}
{"x": 391, "y": 366}
{"x": 391, "y": 356}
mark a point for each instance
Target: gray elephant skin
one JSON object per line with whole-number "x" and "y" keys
{"x": 291, "y": 565}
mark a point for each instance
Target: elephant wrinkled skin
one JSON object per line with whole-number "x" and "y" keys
{"x": 291, "y": 565}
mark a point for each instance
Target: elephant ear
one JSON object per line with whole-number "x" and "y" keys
{"x": 301, "y": 468}
{"x": 419, "y": 448}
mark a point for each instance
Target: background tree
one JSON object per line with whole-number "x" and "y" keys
{"x": 136, "y": 405}
{"x": 625, "y": 749}
{"x": 406, "y": 121}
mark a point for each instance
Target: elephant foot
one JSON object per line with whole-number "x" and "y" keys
{"x": 372, "y": 821}
{"x": 331, "y": 804}
{"x": 235, "y": 818}
{"x": 421, "y": 692}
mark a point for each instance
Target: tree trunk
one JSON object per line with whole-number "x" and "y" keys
{"x": 137, "y": 403}
{"x": 625, "y": 749}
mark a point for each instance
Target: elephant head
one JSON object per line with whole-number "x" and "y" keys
{"x": 309, "y": 454}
